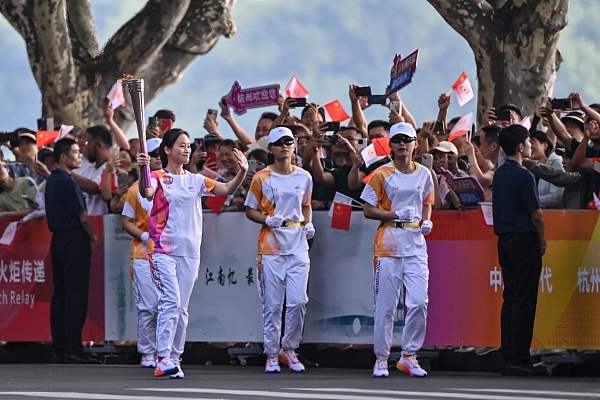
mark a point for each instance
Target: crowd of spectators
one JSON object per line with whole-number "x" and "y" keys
{"x": 565, "y": 154}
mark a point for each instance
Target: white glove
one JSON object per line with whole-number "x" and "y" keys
{"x": 426, "y": 227}
{"x": 144, "y": 237}
{"x": 309, "y": 230}
{"x": 274, "y": 221}
{"x": 406, "y": 214}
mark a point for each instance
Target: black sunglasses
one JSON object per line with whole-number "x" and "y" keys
{"x": 284, "y": 142}
{"x": 154, "y": 154}
{"x": 402, "y": 139}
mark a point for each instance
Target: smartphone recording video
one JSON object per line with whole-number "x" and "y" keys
{"x": 562, "y": 104}
{"x": 380, "y": 99}
{"x": 296, "y": 102}
{"x": 331, "y": 126}
{"x": 362, "y": 91}
{"x": 212, "y": 114}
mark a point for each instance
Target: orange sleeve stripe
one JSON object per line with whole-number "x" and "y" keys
{"x": 210, "y": 184}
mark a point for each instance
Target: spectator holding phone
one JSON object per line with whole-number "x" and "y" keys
{"x": 26, "y": 163}
{"x": 17, "y": 195}
{"x": 160, "y": 123}
{"x": 263, "y": 126}
{"x": 280, "y": 200}
{"x": 401, "y": 196}
{"x": 542, "y": 150}
{"x": 344, "y": 156}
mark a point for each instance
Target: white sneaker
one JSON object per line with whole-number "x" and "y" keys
{"x": 165, "y": 367}
{"x": 410, "y": 365}
{"x": 148, "y": 361}
{"x": 179, "y": 374}
{"x": 272, "y": 365}
{"x": 380, "y": 369}
{"x": 290, "y": 358}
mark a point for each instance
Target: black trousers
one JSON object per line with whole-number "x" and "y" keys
{"x": 521, "y": 263}
{"x": 71, "y": 259}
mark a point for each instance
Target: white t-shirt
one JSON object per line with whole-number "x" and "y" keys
{"x": 389, "y": 189}
{"x": 284, "y": 196}
{"x": 176, "y": 216}
{"x": 94, "y": 202}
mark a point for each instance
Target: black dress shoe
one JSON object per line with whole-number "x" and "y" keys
{"x": 57, "y": 358}
{"x": 523, "y": 370}
{"x": 79, "y": 358}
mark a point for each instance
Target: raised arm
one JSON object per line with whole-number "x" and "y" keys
{"x": 117, "y": 132}
{"x": 358, "y": 116}
{"x": 235, "y": 127}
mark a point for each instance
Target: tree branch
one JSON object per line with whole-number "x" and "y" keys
{"x": 138, "y": 41}
{"x": 82, "y": 30}
{"x": 470, "y": 18}
{"x": 15, "y": 12}
{"x": 198, "y": 32}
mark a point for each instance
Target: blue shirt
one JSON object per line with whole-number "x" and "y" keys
{"x": 515, "y": 197}
{"x": 19, "y": 169}
{"x": 64, "y": 202}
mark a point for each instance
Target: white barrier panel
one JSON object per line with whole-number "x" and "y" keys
{"x": 225, "y": 306}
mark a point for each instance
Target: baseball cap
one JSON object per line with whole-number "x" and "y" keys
{"x": 403, "y": 128}
{"x": 512, "y": 107}
{"x": 261, "y": 144}
{"x": 277, "y": 133}
{"x": 576, "y": 117}
{"x": 27, "y": 134}
{"x": 446, "y": 147}
{"x": 153, "y": 144}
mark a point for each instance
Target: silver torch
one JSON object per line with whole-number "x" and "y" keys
{"x": 135, "y": 87}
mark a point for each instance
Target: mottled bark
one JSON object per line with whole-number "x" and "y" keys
{"x": 74, "y": 74}
{"x": 515, "y": 46}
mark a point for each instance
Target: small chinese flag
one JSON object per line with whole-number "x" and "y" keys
{"x": 116, "y": 96}
{"x": 367, "y": 178}
{"x": 295, "y": 88}
{"x": 341, "y": 216}
{"x": 46, "y": 137}
{"x": 334, "y": 111}
{"x": 382, "y": 146}
{"x": 462, "y": 127}
{"x": 215, "y": 203}
{"x": 463, "y": 90}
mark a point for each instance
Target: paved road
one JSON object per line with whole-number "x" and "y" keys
{"x": 39, "y": 381}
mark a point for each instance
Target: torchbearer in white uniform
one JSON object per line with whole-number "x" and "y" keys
{"x": 401, "y": 196}
{"x": 175, "y": 233}
{"x": 280, "y": 200}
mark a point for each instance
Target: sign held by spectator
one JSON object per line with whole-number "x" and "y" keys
{"x": 463, "y": 90}
{"x": 243, "y": 99}
{"x": 402, "y": 72}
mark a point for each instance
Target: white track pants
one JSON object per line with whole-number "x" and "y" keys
{"x": 390, "y": 274}
{"x": 175, "y": 277}
{"x": 279, "y": 277}
{"x": 146, "y": 302}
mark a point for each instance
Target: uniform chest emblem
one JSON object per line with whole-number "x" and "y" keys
{"x": 167, "y": 180}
